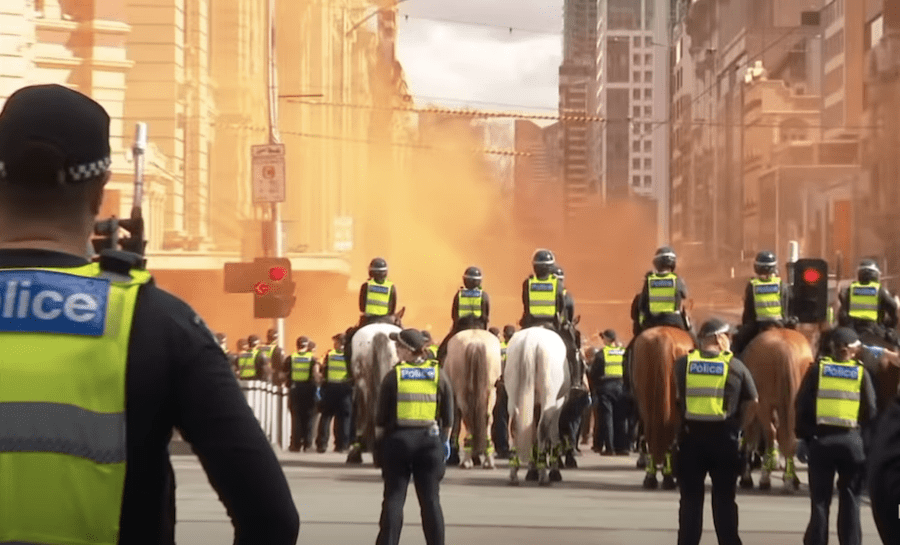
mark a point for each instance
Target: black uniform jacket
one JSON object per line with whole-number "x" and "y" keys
{"x": 177, "y": 376}
{"x": 386, "y": 412}
{"x": 884, "y": 473}
{"x": 739, "y": 389}
{"x": 806, "y": 426}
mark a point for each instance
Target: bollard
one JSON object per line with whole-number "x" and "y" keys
{"x": 285, "y": 419}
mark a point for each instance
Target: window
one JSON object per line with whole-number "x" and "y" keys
{"x": 648, "y": 59}
{"x": 635, "y": 181}
{"x": 648, "y": 41}
{"x": 648, "y": 164}
{"x": 648, "y": 181}
{"x": 617, "y": 51}
{"x": 648, "y": 111}
{"x": 648, "y": 146}
{"x": 636, "y": 164}
{"x": 648, "y": 76}
{"x": 636, "y": 94}
{"x": 623, "y": 14}
{"x": 637, "y": 59}
{"x": 648, "y": 128}
{"x": 636, "y": 146}
{"x": 648, "y": 93}
{"x": 636, "y": 128}
{"x": 637, "y": 76}
{"x": 637, "y": 41}
{"x": 636, "y": 112}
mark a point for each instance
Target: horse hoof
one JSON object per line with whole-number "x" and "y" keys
{"x": 544, "y": 479}
{"x": 555, "y": 476}
{"x": 641, "y": 462}
{"x": 532, "y": 475}
{"x": 570, "y": 462}
{"x": 746, "y": 483}
{"x": 467, "y": 464}
{"x": 668, "y": 482}
{"x": 476, "y": 460}
{"x": 650, "y": 482}
{"x": 788, "y": 488}
{"x": 765, "y": 485}
{"x": 514, "y": 482}
{"x": 796, "y": 482}
{"x": 355, "y": 457}
{"x": 488, "y": 463}
{"x": 453, "y": 460}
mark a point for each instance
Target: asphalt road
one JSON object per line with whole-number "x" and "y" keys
{"x": 600, "y": 502}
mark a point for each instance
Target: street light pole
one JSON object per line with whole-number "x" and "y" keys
{"x": 275, "y": 138}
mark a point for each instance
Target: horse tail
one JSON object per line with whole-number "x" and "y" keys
{"x": 477, "y": 387}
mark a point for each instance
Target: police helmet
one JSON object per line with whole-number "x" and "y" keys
{"x": 494, "y": 330}
{"x": 472, "y": 278}
{"x": 252, "y": 339}
{"x": 560, "y": 273}
{"x": 664, "y": 258}
{"x": 713, "y": 327}
{"x": 868, "y": 271}
{"x": 302, "y": 341}
{"x": 543, "y": 262}
{"x": 426, "y": 334}
{"x": 765, "y": 263}
{"x": 378, "y": 268}
{"x": 340, "y": 337}
{"x": 509, "y": 330}
{"x": 242, "y": 343}
{"x": 609, "y": 335}
{"x": 272, "y": 333}
{"x": 221, "y": 338}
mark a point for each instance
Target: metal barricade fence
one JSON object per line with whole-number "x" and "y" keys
{"x": 269, "y": 403}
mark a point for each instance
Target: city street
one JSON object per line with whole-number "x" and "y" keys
{"x": 601, "y": 502}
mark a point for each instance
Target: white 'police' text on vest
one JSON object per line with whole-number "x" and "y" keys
{"x": 52, "y": 302}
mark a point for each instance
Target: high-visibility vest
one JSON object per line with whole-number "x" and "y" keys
{"x": 432, "y": 353}
{"x": 378, "y": 296}
{"x": 470, "y": 302}
{"x": 564, "y": 318}
{"x": 301, "y": 365}
{"x": 417, "y": 388}
{"x": 503, "y": 345}
{"x": 268, "y": 350}
{"x": 705, "y": 386}
{"x": 337, "y": 366}
{"x": 613, "y": 356}
{"x": 863, "y": 301}
{"x": 767, "y": 299}
{"x": 837, "y": 400}
{"x": 247, "y": 364}
{"x": 542, "y": 296}
{"x": 661, "y": 289}
{"x": 62, "y": 437}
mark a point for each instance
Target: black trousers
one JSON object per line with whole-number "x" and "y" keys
{"x": 416, "y": 453}
{"x": 337, "y": 405}
{"x": 500, "y": 422}
{"x": 841, "y": 453}
{"x": 611, "y": 430}
{"x": 708, "y": 448}
{"x": 303, "y": 414}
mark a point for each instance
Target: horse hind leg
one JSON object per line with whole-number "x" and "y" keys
{"x": 746, "y": 481}
{"x": 770, "y": 462}
{"x": 668, "y": 472}
{"x": 555, "y": 475}
{"x": 650, "y": 480}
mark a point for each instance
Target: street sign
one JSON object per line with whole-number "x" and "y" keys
{"x": 343, "y": 234}
{"x": 268, "y": 173}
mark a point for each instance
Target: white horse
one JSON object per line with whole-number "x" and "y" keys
{"x": 374, "y": 355}
{"x": 473, "y": 367}
{"x": 537, "y": 380}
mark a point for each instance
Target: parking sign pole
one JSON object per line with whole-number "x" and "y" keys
{"x": 277, "y": 227}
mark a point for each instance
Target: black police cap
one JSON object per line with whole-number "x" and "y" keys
{"x": 410, "y": 338}
{"x": 53, "y": 117}
{"x": 609, "y": 334}
{"x": 713, "y": 327}
{"x": 844, "y": 336}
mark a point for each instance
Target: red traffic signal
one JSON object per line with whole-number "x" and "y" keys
{"x": 277, "y": 273}
{"x": 811, "y": 275}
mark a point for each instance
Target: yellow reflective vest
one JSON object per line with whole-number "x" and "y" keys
{"x": 503, "y": 346}
{"x": 863, "y": 301}
{"x": 661, "y": 290}
{"x": 62, "y": 437}
{"x": 613, "y": 357}
{"x": 542, "y": 296}
{"x": 337, "y": 367}
{"x": 417, "y": 388}
{"x": 301, "y": 366}
{"x": 837, "y": 400}
{"x": 378, "y": 296}
{"x": 469, "y": 302}
{"x": 767, "y": 299}
{"x": 705, "y": 386}
{"x": 247, "y": 364}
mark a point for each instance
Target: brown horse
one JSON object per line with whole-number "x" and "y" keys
{"x": 777, "y": 359}
{"x": 886, "y": 372}
{"x": 653, "y": 355}
{"x": 473, "y": 366}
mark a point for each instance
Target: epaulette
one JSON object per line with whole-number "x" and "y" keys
{"x": 119, "y": 262}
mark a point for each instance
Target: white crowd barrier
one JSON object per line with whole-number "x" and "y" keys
{"x": 269, "y": 404}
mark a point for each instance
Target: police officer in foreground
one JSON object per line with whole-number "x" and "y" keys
{"x": 302, "y": 382}
{"x": 412, "y": 429}
{"x": 715, "y": 390}
{"x": 471, "y": 308}
{"x": 835, "y": 399}
{"x": 867, "y": 307}
{"x": 607, "y": 370}
{"x": 884, "y": 473}
{"x": 337, "y": 398}
{"x": 765, "y": 301}
{"x": 153, "y": 363}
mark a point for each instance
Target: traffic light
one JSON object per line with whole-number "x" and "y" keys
{"x": 809, "y": 294}
{"x": 135, "y": 243}
{"x": 108, "y": 235}
{"x": 270, "y": 281}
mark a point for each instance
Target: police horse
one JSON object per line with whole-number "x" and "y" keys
{"x": 537, "y": 380}
{"x": 777, "y": 359}
{"x": 473, "y": 366}
{"x": 374, "y": 355}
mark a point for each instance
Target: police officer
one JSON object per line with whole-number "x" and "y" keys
{"x": 337, "y": 398}
{"x": 884, "y": 473}
{"x": 662, "y": 294}
{"x": 412, "y": 427}
{"x": 765, "y": 301}
{"x": 261, "y": 366}
{"x": 154, "y": 364}
{"x": 606, "y": 374}
{"x": 714, "y": 391}
{"x": 567, "y": 328}
{"x": 243, "y": 361}
{"x": 430, "y": 347}
{"x": 500, "y": 433}
{"x": 471, "y": 308}
{"x": 377, "y": 301}
{"x": 835, "y": 399}
{"x": 274, "y": 356}
{"x": 867, "y": 307}
{"x": 303, "y": 395}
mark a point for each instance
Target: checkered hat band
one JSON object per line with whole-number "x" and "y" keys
{"x": 78, "y": 172}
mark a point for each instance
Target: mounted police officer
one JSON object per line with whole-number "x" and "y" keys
{"x": 302, "y": 382}
{"x": 765, "y": 301}
{"x": 337, "y": 398}
{"x": 714, "y": 390}
{"x": 412, "y": 428}
{"x": 108, "y": 352}
{"x": 544, "y": 305}
{"x": 606, "y": 375}
{"x": 836, "y": 398}
{"x": 867, "y": 307}
{"x": 471, "y": 308}
{"x": 662, "y": 294}
{"x": 377, "y": 302}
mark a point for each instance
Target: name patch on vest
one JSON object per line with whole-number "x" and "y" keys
{"x": 417, "y": 373}
{"x": 841, "y": 371}
{"x": 542, "y": 286}
{"x": 767, "y": 288}
{"x": 865, "y": 291}
{"x": 375, "y": 288}
{"x": 707, "y": 368}
{"x": 53, "y": 302}
{"x": 471, "y": 293}
{"x": 616, "y": 351}
{"x": 667, "y": 283}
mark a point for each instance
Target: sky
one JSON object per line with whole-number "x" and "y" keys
{"x": 451, "y": 63}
